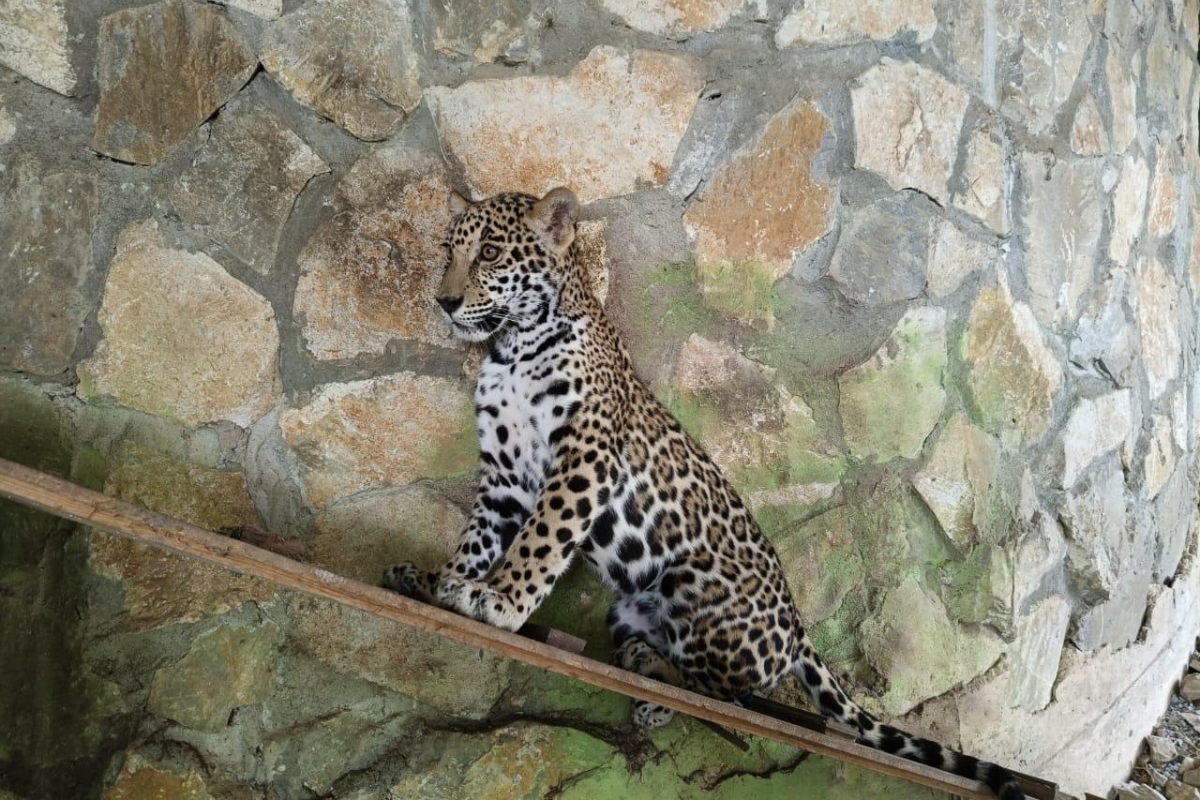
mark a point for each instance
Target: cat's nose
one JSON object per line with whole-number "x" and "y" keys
{"x": 450, "y": 304}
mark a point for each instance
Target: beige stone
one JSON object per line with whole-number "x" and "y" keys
{"x": 386, "y": 431}
{"x": 1157, "y": 316}
{"x": 35, "y": 42}
{"x": 1164, "y": 194}
{"x": 161, "y": 588}
{"x": 8, "y": 126}
{"x": 683, "y": 18}
{"x": 891, "y": 402}
{"x": 46, "y": 239}
{"x": 1096, "y": 427}
{"x": 1095, "y": 517}
{"x": 954, "y": 256}
{"x": 182, "y": 338}
{"x": 985, "y": 185}
{"x": 1015, "y": 379}
{"x": 370, "y": 274}
{"x": 920, "y": 651}
{"x": 615, "y": 120}
{"x": 1162, "y": 750}
{"x": 1122, "y": 87}
{"x": 764, "y": 205}
{"x": 907, "y": 120}
{"x": 965, "y": 24}
{"x": 163, "y": 69}
{"x": 355, "y": 61}
{"x": 1064, "y": 214}
{"x": 834, "y": 22}
{"x": 1088, "y": 134}
{"x": 1129, "y": 208}
{"x": 361, "y": 535}
{"x": 956, "y": 480}
{"x": 480, "y": 31}
{"x": 241, "y": 187}
{"x": 707, "y": 365}
{"x": 139, "y": 780}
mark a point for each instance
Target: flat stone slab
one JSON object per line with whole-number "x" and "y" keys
{"x": 163, "y": 69}
{"x": 240, "y": 189}
{"x": 615, "y": 120}
{"x": 680, "y": 19}
{"x": 183, "y": 339}
{"x": 35, "y": 42}
{"x": 354, "y": 61}
{"x": 46, "y": 238}
{"x": 834, "y": 22}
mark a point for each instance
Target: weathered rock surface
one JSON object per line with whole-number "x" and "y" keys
{"x": 823, "y": 563}
{"x": 985, "y": 190}
{"x": 1160, "y": 455}
{"x": 1015, "y": 379}
{"x": 240, "y": 189}
{"x": 891, "y": 402}
{"x": 182, "y": 338}
{"x": 1064, "y": 214}
{"x": 1105, "y": 342}
{"x": 920, "y": 650}
{"x": 370, "y": 274}
{"x": 1096, "y": 426}
{"x": 614, "y": 120}
{"x": 1164, "y": 193}
{"x": 1122, "y": 88}
{"x": 1129, "y": 208}
{"x": 1095, "y": 520}
{"x": 361, "y": 535}
{"x": 35, "y": 42}
{"x": 683, "y": 18}
{"x": 1162, "y": 750}
{"x": 225, "y": 668}
{"x": 953, "y": 256}
{"x": 1189, "y": 687}
{"x": 483, "y": 32}
{"x": 760, "y": 209}
{"x": 164, "y": 69}
{"x": 139, "y": 780}
{"x": 1089, "y": 137}
{"x": 1157, "y": 317}
{"x": 1042, "y": 45}
{"x": 882, "y": 252}
{"x": 267, "y": 9}
{"x": 957, "y": 478}
{"x": 907, "y": 120}
{"x": 354, "y": 61}
{"x": 1034, "y": 657}
{"x": 160, "y": 588}
{"x": 385, "y": 431}
{"x": 46, "y": 242}
{"x": 833, "y": 22}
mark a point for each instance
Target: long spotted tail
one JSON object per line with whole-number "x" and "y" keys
{"x": 826, "y": 692}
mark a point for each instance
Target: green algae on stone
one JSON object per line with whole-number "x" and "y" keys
{"x": 226, "y": 667}
{"x": 743, "y": 291}
{"x": 978, "y": 589}
{"x": 822, "y": 563}
{"x": 892, "y": 402}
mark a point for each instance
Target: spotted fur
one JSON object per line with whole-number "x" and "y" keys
{"x": 579, "y": 458}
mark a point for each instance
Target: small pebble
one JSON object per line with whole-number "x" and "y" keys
{"x": 1189, "y": 689}
{"x": 1162, "y": 749}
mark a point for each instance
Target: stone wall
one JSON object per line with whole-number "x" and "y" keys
{"x": 921, "y": 274}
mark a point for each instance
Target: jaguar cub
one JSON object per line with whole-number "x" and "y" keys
{"x": 579, "y": 458}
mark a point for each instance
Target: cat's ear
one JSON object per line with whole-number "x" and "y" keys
{"x": 553, "y": 218}
{"x": 456, "y": 203}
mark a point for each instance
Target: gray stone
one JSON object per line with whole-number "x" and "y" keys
{"x": 1034, "y": 657}
{"x": 1162, "y": 750}
{"x": 267, "y": 9}
{"x": 1104, "y": 342}
{"x": 985, "y": 185}
{"x": 1123, "y": 90}
{"x": 1095, "y": 520}
{"x": 482, "y": 31}
{"x": 164, "y": 69}
{"x": 354, "y": 61}
{"x": 1174, "y": 516}
{"x": 1096, "y": 427}
{"x": 882, "y": 252}
{"x": 1041, "y": 47}
{"x": 1160, "y": 457}
{"x": 1138, "y": 791}
{"x": 957, "y": 478}
{"x": 891, "y": 402}
{"x": 1089, "y": 136}
{"x": 240, "y": 189}
{"x": 907, "y": 120}
{"x": 1116, "y": 622}
{"x": 182, "y": 338}
{"x": 1064, "y": 215}
{"x": 35, "y": 42}
{"x": 702, "y": 154}
{"x": 954, "y": 255}
{"x": 46, "y": 242}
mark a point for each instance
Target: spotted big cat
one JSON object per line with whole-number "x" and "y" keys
{"x": 579, "y": 459}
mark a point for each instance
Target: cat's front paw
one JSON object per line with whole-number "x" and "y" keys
{"x": 407, "y": 579}
{"x": 479, "y": 601}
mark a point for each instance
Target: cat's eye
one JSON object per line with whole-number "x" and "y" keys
{"x": 489, "y": 252}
